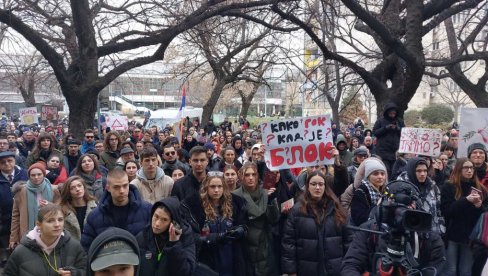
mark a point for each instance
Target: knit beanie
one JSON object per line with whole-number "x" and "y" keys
{"x": 476, "y": 146}
{"x": 38, "y": 165}
{"x": 371, "y": 165}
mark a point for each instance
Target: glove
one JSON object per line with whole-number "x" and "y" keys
{"x": 235, "y": 232}
{"x": 212, "y": 238}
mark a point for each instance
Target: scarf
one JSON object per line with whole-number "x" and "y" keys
{"x": 35, "y": 234}
{"x": 257, "y": 201}
{"x": 34, "y": 194}
{"x": 89, "y": 178}
{"x": 373, "y": 193}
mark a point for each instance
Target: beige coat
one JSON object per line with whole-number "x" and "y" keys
{"x": 153, "y": 191}
{"x": 71, "y": 224}
{"x": 20, "y": 217}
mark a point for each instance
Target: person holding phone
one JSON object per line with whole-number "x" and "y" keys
{"x": 218, "y": 220}
{"x": 462, "y": 204}
{"x": 166, "y": 244}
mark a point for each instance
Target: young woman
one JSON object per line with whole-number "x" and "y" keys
{"x": 463, "y": 200}
{"x": 315, "y": 238}
{"x": 131, "y": 168}
{"x": 45, "y": 250}
{"x": 76, "y": 204}
{"x": 354, "y": 144}
{"x": 219, "y": 217}
{"x": 89, "y": 170}
{"x": 238, "y": 146}
{"x": 228, "y": 156}
{"x": 37, "y": 192}
{"x": 231, "y": 178}
{"x": 178, "y": 173}
{"x": 263, "y": 212}
{"x": 56, "y": 172}
{"x": 367, "y": 195}
{"x": 166, "y": 244}
{"x": 44, "y": 147}
{"x": 113, "y": 144}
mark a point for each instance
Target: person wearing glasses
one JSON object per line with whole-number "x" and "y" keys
{"x": 315, "y": 237}
{"x": 463, "y": 200}
{"x": 171, "y": 161}
{"x": 263, "y": 213}
{"x": 152, "y": 182}
{"x": 218, "y": 218}
{"x": 42, "y": 150}
{"x": 89, "y": 142}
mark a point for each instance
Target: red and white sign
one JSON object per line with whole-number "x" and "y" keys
{"x": 117, "y": 123}
{"x": 422, "y": 141}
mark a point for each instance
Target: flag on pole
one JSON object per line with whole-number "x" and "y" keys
{"x": 179, "y": 116}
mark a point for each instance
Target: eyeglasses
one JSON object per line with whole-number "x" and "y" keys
{"x": 468, "y": 168}
{"x": 170, "y": 153}
{"x": 89, "y": 137}
{"x": 215, "y": 173}
{"x": 314, "y": 184}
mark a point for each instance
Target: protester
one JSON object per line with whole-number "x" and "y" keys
{"x": 56, "y": 172}
{"x": 72, "y": 155}
{"x": 36, "y": 193}
{"x": 360, "y": 155}
{"x": 89, "y": 142}
{"x": 166, "y": 243}
{"x": 121, "y": 206}
{"x": 477, "y": 155}
{"x": 171, "y": 161}
{"x": 461, "y": 205}
{"x": 114, "y": 252}
{"x": 89, "y": 170}
{"x": 46, "y": 250}
{"x": 387, "y": 131}
{"x": 231, "y": 177}
{"x": 43, "y": 149}
{"x": 76, "y": 204}
{"x": 131, "y": 168}
{"x": 113, "y": 145}
{"x": 150, "y": 180}
{"x": 344, "y": 154}
{"x": 99, "y": 147}
{"x": 191, "y": 183}
{"x": 178, "y": 173}
{"x": 263, "y": 212}
{"x": 228, "y": 157}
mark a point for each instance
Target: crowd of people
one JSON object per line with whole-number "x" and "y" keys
{"x": 145, "y": 202}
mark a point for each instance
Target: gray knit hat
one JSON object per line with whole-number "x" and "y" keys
{"x": 476, "y": 146}
{"x": 371, "y": 165}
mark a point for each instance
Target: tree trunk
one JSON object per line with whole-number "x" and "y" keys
{"x": 28, "y": 96}
{"x": 246, "y": 104}
{"x": 82, "y": 108}
{"x": 209, "y": 106}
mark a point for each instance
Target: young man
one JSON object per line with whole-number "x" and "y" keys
{"x": 89, "y": 142}
{"x": 120, "y": 206}
{"x": 171, "y": 161}
{"x": 113, "y": 252}
{"x": 344, "y": 153}
{"x": 191, "y": 183}
{"x": 151, "y": 181}
{"x": 213, "y": 158}
{"x": 71, "y": 157}
{"x": 477, "y": 155}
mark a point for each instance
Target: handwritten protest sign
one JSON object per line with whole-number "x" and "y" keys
{"x": 49, "y": 113}
{"x": 473, "y": 128}
{"x": 298, "y": 142}
{"x": 117, "y": 122}
{"x": 423, "y": 141}
{"x": 28, "y": 116}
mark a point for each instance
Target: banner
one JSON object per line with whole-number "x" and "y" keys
{"x": 49, "y": 113}
{"x": 28, "y": 116}
{"x": 422, "y": 141}
{"x": 117, "y": 122}
{"x": 298, "y": 142}
{"x": 473, "y": 128}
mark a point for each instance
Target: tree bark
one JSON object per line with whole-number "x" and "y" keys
{"x": 82, "y": 109}
{"x": 212, "y": 101}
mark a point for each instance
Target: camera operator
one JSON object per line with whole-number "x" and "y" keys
{"x": 406, "y": 245}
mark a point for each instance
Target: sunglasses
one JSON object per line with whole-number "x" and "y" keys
{"x": 89, "y": 137}
{"x": 170, "y": 153}
{"x": 215, "y": 173}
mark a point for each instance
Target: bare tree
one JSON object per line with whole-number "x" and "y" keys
{"x": 89, "y": 44}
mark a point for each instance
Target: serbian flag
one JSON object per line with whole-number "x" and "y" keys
{"x": 179, "y": 116}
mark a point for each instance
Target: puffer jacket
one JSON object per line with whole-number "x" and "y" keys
{"x": 178, "y": 258}
{"x": 71, "y": 224}
{"x": 388, "y": 139}
{"x": 28, "y": 260}
{"x": 311, "y": 249}
{"x": 154, "y": 190}
{"x": 102, "y": 218}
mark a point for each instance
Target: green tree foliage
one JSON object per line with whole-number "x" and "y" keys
{"x": 437, "y": 114}
{"x": 412, "y": 117}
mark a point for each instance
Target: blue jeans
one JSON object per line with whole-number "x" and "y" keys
{"x": 459, "y": 259}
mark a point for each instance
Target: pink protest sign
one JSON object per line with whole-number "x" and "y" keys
{"x": 422, "y": 141}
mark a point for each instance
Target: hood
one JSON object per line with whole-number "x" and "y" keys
{"x": 172, "y": 204}
{"x": 341, "y": 138}
{"x": 159, "y": 174}
{"x": 388, "y": 107}
{"x": 108, "y": 235}
{"x": 411, "y": 166}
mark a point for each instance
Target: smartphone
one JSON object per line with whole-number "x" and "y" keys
{"x": 269, "y": 180}
{"x": 476, "y": 191}
{"x": 177, "y": 228}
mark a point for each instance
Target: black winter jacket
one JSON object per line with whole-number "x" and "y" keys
{"x": 7, "y": 199}
{"x": 186, "y": 186}
{"x": 360, "y": 257}
{"x": 388, "y": 139}
{"x": 311, "y": 249}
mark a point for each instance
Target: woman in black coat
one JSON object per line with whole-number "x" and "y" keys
{"x": 315, "y": 237}
{"x": 167, "y": 246}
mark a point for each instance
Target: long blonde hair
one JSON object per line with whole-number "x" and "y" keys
{"x": 225, "y": 200}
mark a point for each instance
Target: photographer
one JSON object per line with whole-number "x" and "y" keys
{"x": 407, "y": 243}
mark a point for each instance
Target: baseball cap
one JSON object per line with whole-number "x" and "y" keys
{"x": 116, "y": 252}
